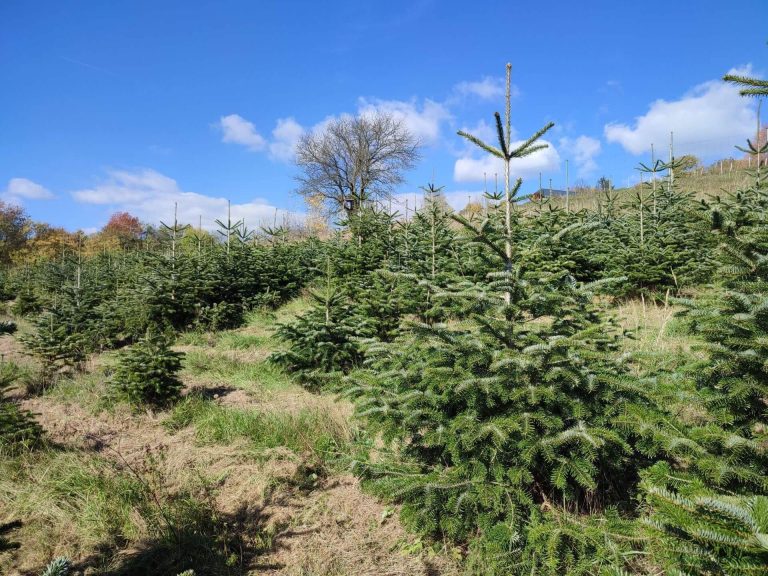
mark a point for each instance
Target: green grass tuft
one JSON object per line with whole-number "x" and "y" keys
{"x": 308, "y": 431}
{"x": 224, "y": 369}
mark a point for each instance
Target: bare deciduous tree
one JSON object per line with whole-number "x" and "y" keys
{"x": 354, "y": 160}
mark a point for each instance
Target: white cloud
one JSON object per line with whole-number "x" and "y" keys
{"x": 281, "y": 147}
{"x": 471, "y": 169}
{"x": 285, "y": 136}
{"x": 582, "y": 150}
{"x": 485, "y": 131}
{"x": 23, "y": 189}
{"x": 422, "y": 122}
{"x": 238, "y": 130}
{"x": 489, "y": 88}
{"x": 708, "y": 120}
{"x": 151, "y": 196}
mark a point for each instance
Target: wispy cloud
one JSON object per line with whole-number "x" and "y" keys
{"x": 488, "y": 88}
{"x": 19, "y": 189}
{"x": 151, "y": 196}
{"x": 582, "y": 150}
{"x": 89, "y": 66}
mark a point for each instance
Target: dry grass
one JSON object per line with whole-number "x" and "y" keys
{"x": 649, "y": 324}
{"x": 656, "y": 337}
{"x": 338, "y": 530}
{"x": 246, "y": 447}
{"x": 703, "y": 186}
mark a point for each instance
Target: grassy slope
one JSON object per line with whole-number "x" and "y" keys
{"x": 242, "y": 476}
{"x": 703, "y": 186}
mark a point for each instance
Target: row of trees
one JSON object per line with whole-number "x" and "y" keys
{"x": 508, "y": 417}
{"x": 502, "y": 412}
{"x": 80, "y": 304}
{"x": 24, "y": 240}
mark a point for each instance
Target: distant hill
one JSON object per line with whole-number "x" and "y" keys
{"x": 548, "y": 192}
{"x": 703, "y": 182}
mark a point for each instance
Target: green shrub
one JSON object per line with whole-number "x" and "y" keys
{"x": 708, "y": 533}
{"x": 18, "y": 428}
{"x": 58, "y": 567}
{"x": 147, "y": 372}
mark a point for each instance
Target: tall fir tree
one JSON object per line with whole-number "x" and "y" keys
{"x": 494, "y": 421}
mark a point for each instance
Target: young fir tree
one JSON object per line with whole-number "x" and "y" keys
{"x": 435, "y": 257}
{"x": 662, "y": 241}
{"x": 706, "y": 506}
{"x": 493, "y": 422}
{"x": 167, "y": 294}
{"x": 66, "y": 332}
{"x": 734, "y": 325}
{"x": 324, "y": 341}
{"x": 581, "y": 252}
{"x": 18, "y": 429}
{"x": 58, "y": 567}
{"x": 708, "y": 534}
{"x": 147, "y": 372}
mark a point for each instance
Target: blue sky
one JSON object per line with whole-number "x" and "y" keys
{"x": 135, "y": 105}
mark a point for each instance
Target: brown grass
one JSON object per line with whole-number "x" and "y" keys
{"x": 310, "y": 521}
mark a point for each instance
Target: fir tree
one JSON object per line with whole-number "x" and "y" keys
{"x": 734, "y": 326}
{"x": 662, "y": 240}
{"x": 709, "y": 534}
{"x": 707, "y": 509}
{"x": 436, "y": 257}
{"x": 68, "y": 329}
{"x": 511, "y": 413}
{"x": 18, "y": 429}
{"x": 147, "y": 372}
{"x": 323, "y": 341}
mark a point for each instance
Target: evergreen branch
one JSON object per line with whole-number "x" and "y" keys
{"x": 753, "y": 86}
{"x": 521, "y": 150}
{"x": 481, "y": 144}
{"x": 500, "y": 134}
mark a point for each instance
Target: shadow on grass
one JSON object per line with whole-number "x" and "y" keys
{"x": 212, "y": 544}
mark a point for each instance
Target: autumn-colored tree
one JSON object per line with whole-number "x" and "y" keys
{"x": 125, "y": 227}
{"x": 316, "y": 223}
{"x": 46, "y": 242}
{"x": 15, "y": 229}
{"x": 122, "y": 231}
{"x": 472, "y": 210}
